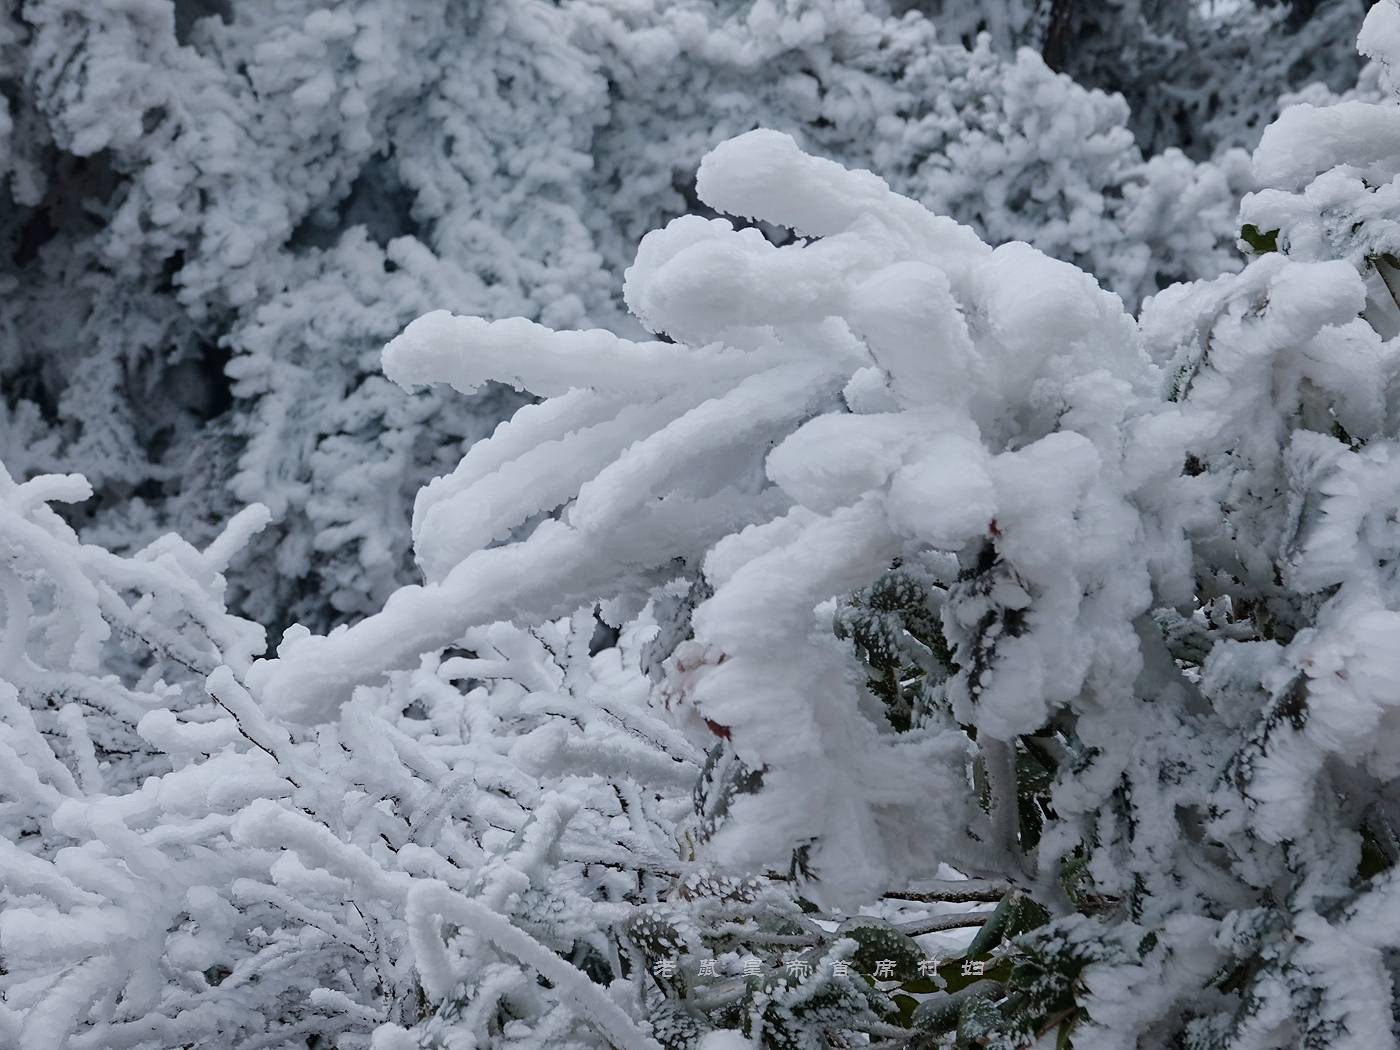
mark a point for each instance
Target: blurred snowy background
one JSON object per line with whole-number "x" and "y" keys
{"x": 216, "y": 213}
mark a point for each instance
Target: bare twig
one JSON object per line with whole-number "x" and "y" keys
{"x": 939, "y": 923}
{"x": 238, "y": 722}
{"x": 964, "y": 892}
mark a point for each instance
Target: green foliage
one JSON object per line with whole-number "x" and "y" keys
{"x": 1374, "y": 858}
{"x": 894, "y": 626}
{"x": 675, "y": 1025}
{"x": 1259, "y": 242}
{"x": 1035, "y": 772}
{"x": 723, "y": 778}
{"x": 877, "y": 940}
{"x": 788, "y": 993}
{"x": 992, "y": 583}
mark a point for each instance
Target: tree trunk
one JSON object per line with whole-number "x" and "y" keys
{"x": 1055, "y": 50}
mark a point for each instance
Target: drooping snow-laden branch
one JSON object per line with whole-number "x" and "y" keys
{"x": 900, "y": 549}
{"x": 825, "y": 408}
{"x": 1147, "y": 570}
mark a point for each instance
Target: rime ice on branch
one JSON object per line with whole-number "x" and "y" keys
{"x": 884, "y": 385}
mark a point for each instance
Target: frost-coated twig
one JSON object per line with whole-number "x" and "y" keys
{"x": 939, "y": 923}
{"x": 434, "y": 898}
{"x": 891, "y": 1031}
{"x": 979, "y": 890}
{"x": 913, "y": 928}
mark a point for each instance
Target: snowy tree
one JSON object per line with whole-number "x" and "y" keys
{"x": 1206, "y": 75}
{"x": 216, "y": 214}
{"x": 880, "y": 638}
{"x": 884, "y": 456}
{"x": 1199, "y": 75}
{"x": 974, "y": 570}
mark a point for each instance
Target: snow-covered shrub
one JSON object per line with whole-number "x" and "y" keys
{"x": 1198, "y": 75}
{"x": 91, "y": 644}
{"x": 1204, "y": 75}
{"x": 997, "y": 141}
{"x": 265, "y": 890}
{"x": 964, "y": 566}
{"x": 404, "y": 875}
{"x": 795, "y": 441}
{"x": 93, "y": 641}
{"x": 893, "y": 551}
{"x": 214, "y": 215}
{"x": 893, "y": 392}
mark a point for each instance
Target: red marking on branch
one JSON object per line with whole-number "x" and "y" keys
{"x": 718, "y": 730}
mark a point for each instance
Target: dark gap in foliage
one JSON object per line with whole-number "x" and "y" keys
{"x": 377, "y": 200}
{"x": 189, "y": 13}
